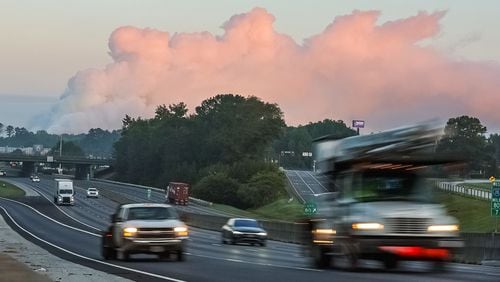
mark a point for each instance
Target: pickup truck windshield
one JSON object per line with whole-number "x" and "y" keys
{"x": 151, "y": 213}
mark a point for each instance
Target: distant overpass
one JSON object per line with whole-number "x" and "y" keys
{"x": 55, "y": 159}
{"x": 83, "y": 165}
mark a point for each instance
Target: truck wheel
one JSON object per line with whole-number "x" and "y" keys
{"x": 164, "y": 255}
{"x": 390, "y": 262}
{"x": 180, "y": 255}
{"x": 439, "y": 266}
{"x": 319, "y": 257}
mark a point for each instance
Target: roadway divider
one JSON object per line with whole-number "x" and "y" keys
{"x": 289, "y": 232}
{"x": 192, "y": 199}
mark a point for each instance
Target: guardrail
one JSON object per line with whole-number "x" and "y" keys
{"x": 459, "y": 188}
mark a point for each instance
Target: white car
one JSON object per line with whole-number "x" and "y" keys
{"x": 3, "y": 173}
{"x": 92, "y": 193}
{"x": 35, "y": 179}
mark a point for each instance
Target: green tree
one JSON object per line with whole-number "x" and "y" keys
{"x": 1, "y": 128}
{"x": 218, "y": 188}
{"x": 263, "y": 188}
{"x": 464, "y": 136}
{"x": 9, "y": 130}
{"x": 69, "y": 148}
{"x": 232, "y": 127}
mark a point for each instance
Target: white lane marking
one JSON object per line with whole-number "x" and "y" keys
{"x": 90, "y": 259}
{"x": 50, "y": 218}
{"x": 259, "y": 263}
{"x": 307, "y": 185}
{"x": 293, "y": 186}
{"x": 90, "y": 226}
{"x": 308, "y": 172}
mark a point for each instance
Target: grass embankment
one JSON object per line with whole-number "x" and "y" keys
{"x": 8, "y": 190}
{"x": 482, "y": 186}
{"x": 473, "y": 215}
{"x": 278, "y": 210}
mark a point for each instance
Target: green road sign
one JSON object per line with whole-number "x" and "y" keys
{"x": 310, "y": 208}
{"x": 495, "y": 199}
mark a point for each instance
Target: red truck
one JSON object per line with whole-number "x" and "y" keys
{"x": 177, "y": 193}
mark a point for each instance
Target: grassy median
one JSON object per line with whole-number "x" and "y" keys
{"x": 278, "y": 210}
{"x": 8, "y": 190}
{"x": 474, "y": 215}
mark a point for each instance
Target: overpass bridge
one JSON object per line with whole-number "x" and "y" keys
{"x": 83, "y": 165}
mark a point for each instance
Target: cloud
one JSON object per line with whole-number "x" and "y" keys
{"x": 355, "y": 68}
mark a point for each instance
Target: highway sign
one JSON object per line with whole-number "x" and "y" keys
{"x": 310, "y": 208}
{"x": 495, "y": 199}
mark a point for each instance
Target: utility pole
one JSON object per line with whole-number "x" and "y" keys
{"x": 60, "y": 154}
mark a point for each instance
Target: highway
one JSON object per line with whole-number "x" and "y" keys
{"x": 73, "y": 233}
{"x": 305, "y": 184}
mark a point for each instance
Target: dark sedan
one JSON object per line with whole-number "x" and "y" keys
{"x": 243, "y": 230}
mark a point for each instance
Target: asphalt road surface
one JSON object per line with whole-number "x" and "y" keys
{"x": 73, "y": 233}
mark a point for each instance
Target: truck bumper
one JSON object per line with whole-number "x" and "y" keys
{"x": 140, "y": 245}
{"x": 409, "y": 248}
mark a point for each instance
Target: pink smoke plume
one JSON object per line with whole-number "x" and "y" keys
{"x": 354, "y": 69}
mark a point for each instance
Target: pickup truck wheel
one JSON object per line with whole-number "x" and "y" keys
{"x": 164, "y": 255}
{"x": 108, "y": 253}
{"x": 390, "y": 262}
{"x": 180, "y": 255}
{"x": 124, "y": 255}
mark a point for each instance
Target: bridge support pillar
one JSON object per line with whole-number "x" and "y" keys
{"x": 82, "y": 171}
{"x": 28, "y": 168}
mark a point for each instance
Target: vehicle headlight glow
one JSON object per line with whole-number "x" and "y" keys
{"x": 262, "y": 233}
{"x": 129, "y": 231}
{"x": 236, "y": 232}
{"x": 443, "y": 228}
{"x": 367, "y": 226}
{"x": 324, "y": 231}
{"x": 181, "y": 231}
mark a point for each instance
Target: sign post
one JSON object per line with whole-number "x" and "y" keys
{"x": 358, "y": 124}
{"x": 495, "y": 202}
{"x": 149, "y": 193}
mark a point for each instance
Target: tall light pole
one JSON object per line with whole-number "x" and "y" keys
{"x": 60, "y": 154}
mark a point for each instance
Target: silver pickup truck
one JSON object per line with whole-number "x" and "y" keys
{"x": 145, "y": 228}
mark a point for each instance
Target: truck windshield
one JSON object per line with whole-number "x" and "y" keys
{"x": 391, "y": 187}
{"x": 65, "y": 191}
{"x": 151, "y": 213}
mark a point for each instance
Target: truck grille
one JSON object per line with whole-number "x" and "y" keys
{"x": 406, "y": 225}
{"x": 166, "y": 233}
{"x": 66, "y": 200}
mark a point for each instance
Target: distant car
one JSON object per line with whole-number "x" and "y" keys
{"x": 92, "y": 193}
{"x": 35, "y": 179}
{"x": 3, "y": 173}
{"x": 145, "y": 228}
{"x": 243, "y": 230}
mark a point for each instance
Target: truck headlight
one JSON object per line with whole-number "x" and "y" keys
{"x": 367, "y": 226}
{"x": 181, "y": 231}
{"x": 443, "y": 228}
{"x": 324, "y": 231}
{"x": 59, "y": 198}
{"x": 262, "y": 234}
{"x": 236, "y": 232}
{"x": 129, "y": 231}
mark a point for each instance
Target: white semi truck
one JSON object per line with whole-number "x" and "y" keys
{"x": 64, "y": 193}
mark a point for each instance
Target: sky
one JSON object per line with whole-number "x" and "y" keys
{"x": 72, "y": 65}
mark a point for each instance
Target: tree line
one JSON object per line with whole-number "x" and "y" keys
{"x": 96, "y": 142}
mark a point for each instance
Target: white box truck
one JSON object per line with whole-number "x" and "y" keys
{"x": 64, "y": 192}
